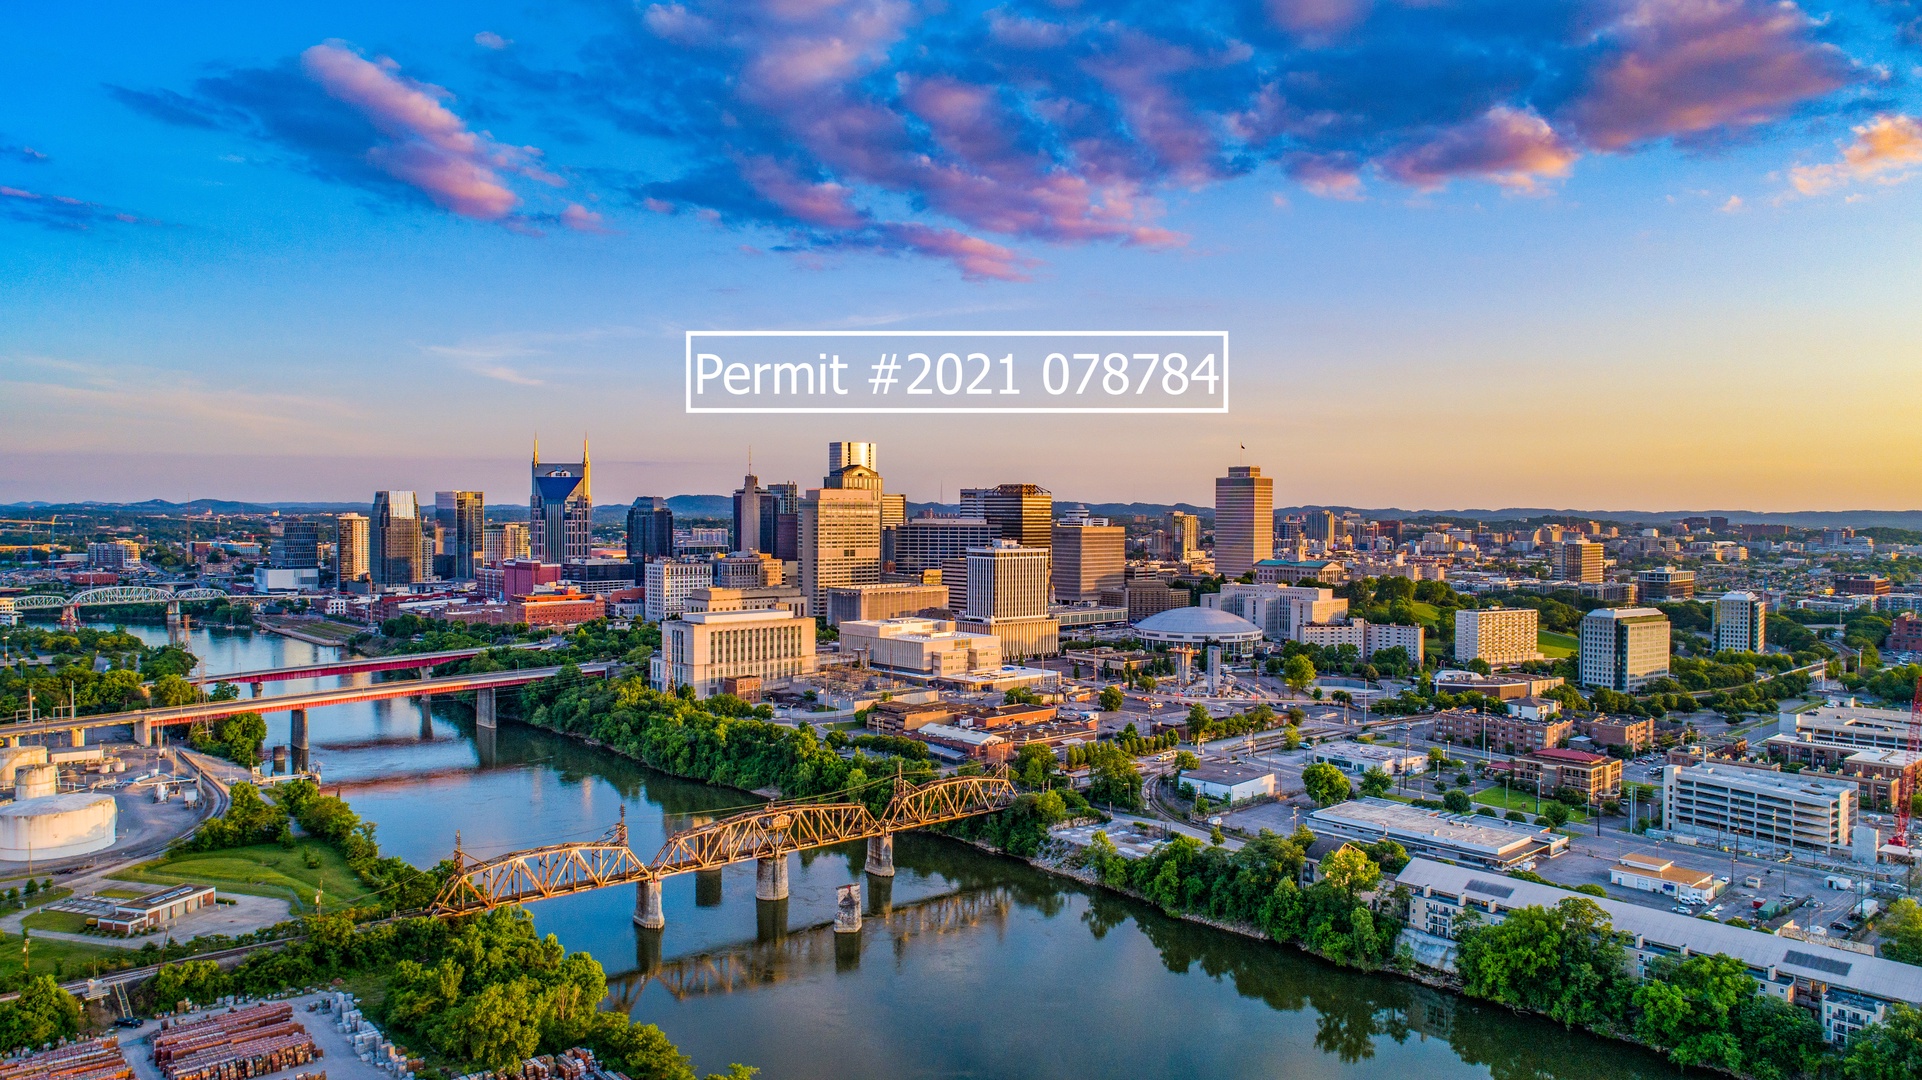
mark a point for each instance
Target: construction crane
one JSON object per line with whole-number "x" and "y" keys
{"x": 1904, "y": 805}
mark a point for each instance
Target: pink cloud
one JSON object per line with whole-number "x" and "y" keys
{"x": 1328, "y": 177}
{"x": 487, "y": 39}
{"x": 1692, "y": 66}
{"x": 1510, "y": 147}
{"x": 581, "y": 219}
{"x": 430, "y": 148}
{"x": 1317, "y": 16}
{"x": 1885, "y": 151}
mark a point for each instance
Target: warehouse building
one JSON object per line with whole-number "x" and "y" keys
{"x": 1465, "y": 838}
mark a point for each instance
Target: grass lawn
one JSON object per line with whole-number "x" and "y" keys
{"x": 261, "y": 870}
{"x": 1521, "y": 800}
{"x": 64, "y": 921}
{"x": 124, "y": 894}
{"x": 44, "y": 896}
{"x": 73, "y": 958}
{"x": 1555, "y": 646}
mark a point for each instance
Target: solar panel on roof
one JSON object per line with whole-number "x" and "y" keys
{"x": 1492, "y": 889}
{"x": 1819, "y": 963}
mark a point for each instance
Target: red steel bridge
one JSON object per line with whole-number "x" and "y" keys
{"x": 359, "y": 665}
{"x": 766, "y": 834}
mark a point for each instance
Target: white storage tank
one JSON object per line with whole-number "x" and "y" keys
{"x": 57, "y": 826}
{"x": 35, "y": 781}
{"x": 13, "y": 757}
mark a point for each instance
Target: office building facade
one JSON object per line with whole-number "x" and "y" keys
{"x": 669, "y": 583}
{"x": 1741, "y": 622}
{"x": 890, "y": 600}
{"x": 298, "y": 547}
{"x": 748, "y": 508}
{"x": 1665, "y": 583}
{"x": 560, "y": 509}
{"x": 1023, "y": 513}
{"x": 394, "y": 534}
{"x": 1283, "y": 612}
{"x": 503, "y": 541}
{"x": 1623, "y": 649}
{"x": 650, "y": 529}
{"x": 716, "y": 651}
{"x": 1576, "y": 560}
{"x": 1089, "y": 558}
{"x": 927, "y": 542}
{"x": 461, "y": 517}
{"x": 840, "y": 538}
{"x": 1497, "y": 636}
{"x": 1244, "y": 520}
{"x": 1007, "y": 594}
{"x": 1182, "y": 532}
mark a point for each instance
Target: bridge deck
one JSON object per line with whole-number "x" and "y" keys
{"x": 314, "y": 699}
{"x": 354, "y": 666}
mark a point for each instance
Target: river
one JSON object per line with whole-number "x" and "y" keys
{"x": 969, "y": 965}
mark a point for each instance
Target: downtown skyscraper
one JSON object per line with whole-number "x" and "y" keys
{"x": 1244, "y": 520}
{"x": 560, "y": 509}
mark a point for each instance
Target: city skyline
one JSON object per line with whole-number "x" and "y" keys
{"x": 237, "y": 255}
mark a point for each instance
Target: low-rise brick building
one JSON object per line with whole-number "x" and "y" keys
{"x": 1505, "y": 734}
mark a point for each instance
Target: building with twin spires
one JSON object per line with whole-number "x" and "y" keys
{"x": 560, "y": 509}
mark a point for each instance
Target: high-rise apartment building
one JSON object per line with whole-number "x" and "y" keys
{"x": 1244, "y": 520}
{"x": 394, "y": 534}
{"x": 1320, "y": 525}
{"x": 1740, "y": 623}
{"x": 840, "y": 537}
{"x": 560, "y": 510}
{"x": 650, "y": 529}
{"x": 1498, "y": 636}
{"x": 1623, "y": 648}
{"x": 926, "y": 542}
{"x": 747, "y": 514}
{"x": 350, "y": 548}
{"x": 461, "y": 516}
{"x": 1023, "y": 513}
{"x": 1577, "y": 560}
{"x": 1183, "y": 533}
{"x": 1007, "y": 590}
{"x": 503, "y": 541}
{"x": 298, "y": 547}
{"x": 1088, "y": 558}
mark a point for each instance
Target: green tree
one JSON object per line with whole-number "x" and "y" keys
{"x": 1457, "y": 801}
{"x": 1388, "y": 855}
{"x": 1376, "y": 782}
{"x": 1112, "y": 699}
{"x": 1349, "y": 869}
{"x": 172, "y": 690}
{"x": 1890, "y": 1050}
{"x": 1298, "y": 671}
{"x": 1035, "y": 765}
{"x": 1555, "y": 814}
{"x": 1902, "y": 924}
{"x": 1566, "y": 962}
{"x": 1688, "y": 1009}
{"x": 1185, "y": 760}
{"x": 1325, "y": 784}
{"x": 1291, "y": 738}
{"x": 42, "y": 1013}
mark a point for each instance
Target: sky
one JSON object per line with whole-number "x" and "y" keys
{"x": 1578, "y": 253}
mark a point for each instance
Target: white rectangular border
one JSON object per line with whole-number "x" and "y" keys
{"x": 688, "y": 382}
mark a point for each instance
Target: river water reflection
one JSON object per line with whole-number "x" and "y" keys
{"x": 969, "y": 965}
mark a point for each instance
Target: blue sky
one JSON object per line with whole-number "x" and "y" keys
{"x": 1481, "y": 253}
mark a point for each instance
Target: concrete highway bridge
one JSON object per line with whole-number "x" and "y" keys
{"x": 424, "y": 663}
{"x": 484, "y": 687}
{"x": 768, "y": 834}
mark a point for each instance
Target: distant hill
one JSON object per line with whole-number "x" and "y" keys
{"x": 721, "y": 506}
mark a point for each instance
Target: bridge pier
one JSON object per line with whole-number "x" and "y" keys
{"x": 143, "y": 732}
{"x": 770, "y": 877}
{"x": 484, "y": 707}
{"x": 426, "y": 716}
{"x": 297, "y": 735}
{"x": 647, "y": 905}
{"x": 257, "y": 688}
{"x": 847, "y": 917}
{"x": 881, "y": 855}
{"x": 79, "y": 736}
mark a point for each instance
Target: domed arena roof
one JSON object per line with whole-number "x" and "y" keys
{"x": 1197, "y": 624}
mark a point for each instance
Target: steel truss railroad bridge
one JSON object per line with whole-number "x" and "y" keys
{"x": 767, "y": 834}
{"x": 122, "y": 594}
